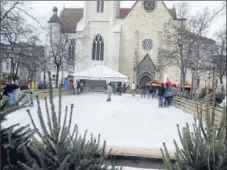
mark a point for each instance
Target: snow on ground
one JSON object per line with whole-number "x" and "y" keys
{"x": 125, "y": 121}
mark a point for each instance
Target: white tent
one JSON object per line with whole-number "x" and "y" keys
{"x": 101, "y": 72}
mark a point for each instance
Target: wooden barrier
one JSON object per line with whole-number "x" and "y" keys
{"x": 190, "y": 106}
{"x": 137, "y": 157}
{"x": 23, "y": 103}
{"x": 137, "y": 152}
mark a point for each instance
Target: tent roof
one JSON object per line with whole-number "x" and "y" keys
{"x": 101, "y": 72}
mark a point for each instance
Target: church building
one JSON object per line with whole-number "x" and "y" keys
{"x": 124, "y": 39}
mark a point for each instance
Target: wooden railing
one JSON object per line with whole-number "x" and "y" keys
{"x": 191, "y": 107}
{"x": 23, "y": 103}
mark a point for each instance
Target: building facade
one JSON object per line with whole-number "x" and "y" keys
{"x": 124, "y": 39}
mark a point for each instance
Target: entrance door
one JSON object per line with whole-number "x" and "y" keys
{"x": 144, "y": 80}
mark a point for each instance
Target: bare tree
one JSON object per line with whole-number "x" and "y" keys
{"x": 17, "y": 31}
{"x": 220, "y": 53}
{"x": 58, "y": 49}
{"x": 33, "y": 56}
{"x": 7, "y": 9}
{"x": 184, "y": 40}
{"x": 13, "y": 31}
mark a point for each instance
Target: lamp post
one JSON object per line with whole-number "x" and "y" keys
{"x": 213, "y": 83}
{"x": 192, "y": 83}
{"x": 209, "y": 76}
{"x": 181, "y": 56}
{"x": 135, "y": 66}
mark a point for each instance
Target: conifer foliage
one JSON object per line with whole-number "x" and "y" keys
{"x": 56, "y": 148}
{"x": 202, "y": 149}
{"x": 11, "y": 142}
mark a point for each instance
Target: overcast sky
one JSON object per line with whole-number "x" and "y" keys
{"x": 42, "y": 10}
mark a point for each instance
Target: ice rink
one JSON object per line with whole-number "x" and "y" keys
{"x": 125, "y": 121}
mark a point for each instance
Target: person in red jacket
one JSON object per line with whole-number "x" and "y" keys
{"x": 70, "y": 85}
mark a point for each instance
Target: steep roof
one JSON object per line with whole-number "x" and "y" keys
{"x": 69, "y": 19}
{"x": 54, "y": 18}
{"x": 124, "y": 12}
{"x": 71, "y": 16}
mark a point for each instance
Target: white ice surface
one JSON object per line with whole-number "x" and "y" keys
{"x": 125, "y": 121}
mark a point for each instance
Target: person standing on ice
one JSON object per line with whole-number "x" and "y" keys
{"x": 144, "y": 88}
{"x": 109, "y": 92}
{"x": 161, "y": 92}
{"x": 167, "y": 95}
{"x": 133, "y": 89}
{"x": 30, "y": 91}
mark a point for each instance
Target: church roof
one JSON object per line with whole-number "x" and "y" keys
{"x": 71, "y": 16}
{"x": 69, "y": 19}
{"x": 54, "y": 18}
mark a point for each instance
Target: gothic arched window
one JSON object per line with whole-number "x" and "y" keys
{"x": 100, "y": 6}
{"x": 98, "y": 48}
{"x": 71, "y": 50}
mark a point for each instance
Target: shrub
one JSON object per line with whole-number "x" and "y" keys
{"x": 23, "y": 86}
{"x": 204, "y": 148}
{"x": 12, "y": 137}
{"x": 11, "y": 141}
{"x": 203, "y": 93}
{"x": 219, "y": 97}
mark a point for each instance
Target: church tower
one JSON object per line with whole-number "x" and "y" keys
{"x": 54, "y": 26}
{"x": 101, "y": 10}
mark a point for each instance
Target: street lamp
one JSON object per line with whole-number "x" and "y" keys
{"x": 181, "y": 56}
{"x": 135, "y": 66}
{"x": 192, "y": 83}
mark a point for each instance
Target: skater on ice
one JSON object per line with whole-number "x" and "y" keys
{"x": 109, "y": 92}
{"x": 133, "y": 89}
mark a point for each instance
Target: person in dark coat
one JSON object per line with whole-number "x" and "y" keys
{"x": 120, "y": 87}
{"x": 8, "y": 90}
{"x": 144, "y": 90}
{"x": 161, "y": 92}
{"x": 167, "y": 95}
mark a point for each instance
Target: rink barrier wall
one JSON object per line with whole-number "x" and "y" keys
{"x": 45, "y": 93}
{"x": 191, "y": 107}
{"x": 137, "y": 157}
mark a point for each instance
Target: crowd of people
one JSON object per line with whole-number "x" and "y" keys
{"x": 165, "y": 92}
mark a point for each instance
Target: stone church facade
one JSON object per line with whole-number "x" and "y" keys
{"x": 124, "y": 39}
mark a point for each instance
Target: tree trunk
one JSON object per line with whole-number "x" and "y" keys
{"x": 57, "y": 76}
{"x": 182, "y": 79}
{"x": 221, "y": 79}
{"x": 11, "y": 70}
{"x": 16, "y": 73}
{"x": 44, "y": 77}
